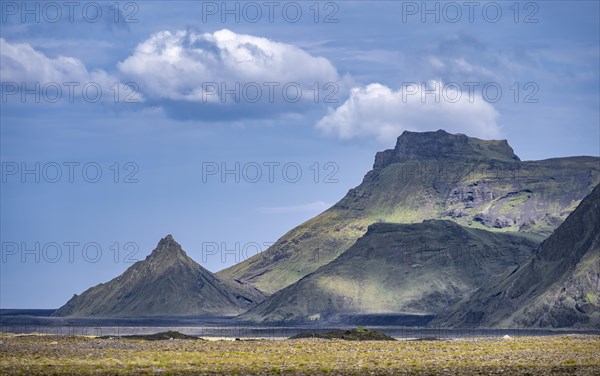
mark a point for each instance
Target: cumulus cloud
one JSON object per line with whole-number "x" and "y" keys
{"x": 182, "y": 65}
{"x": 380, "y": 112}
{"x": 21, "y": 64}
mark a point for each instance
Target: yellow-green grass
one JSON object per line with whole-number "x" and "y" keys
{"x": 36, "y": 355}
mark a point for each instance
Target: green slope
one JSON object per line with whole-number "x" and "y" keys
{"x": 418, "y": 269}
{"x": 430, "y": 175}
{"x": 558, "y": 287}
{"x": 166, "y": 283}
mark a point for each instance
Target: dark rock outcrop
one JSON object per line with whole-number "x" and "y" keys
{"x": 443, "y": 145}
{"x": 559, "y": 287}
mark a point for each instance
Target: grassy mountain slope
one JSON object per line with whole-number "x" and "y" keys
{"x": 558, "y": 287}
{"x": 430, "y": 175}
{"x": 415, "y": 269}
{"x": 166, "y": 283}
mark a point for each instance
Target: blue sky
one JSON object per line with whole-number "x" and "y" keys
{"x": 356, "y": 74}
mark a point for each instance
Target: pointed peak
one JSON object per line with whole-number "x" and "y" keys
{"x": 167, "y": 240}
{"x": 167, "y": 246}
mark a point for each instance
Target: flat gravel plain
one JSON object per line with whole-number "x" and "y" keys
{"x": 78, "y": 355}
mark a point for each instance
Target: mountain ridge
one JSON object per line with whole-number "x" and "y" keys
{"x": 166, "y": 283}
{"x": 478, "y": 183}
{"x": 406, "y": 270}
{"x": 558, "y": 287}
{"x": 434, "y": 194}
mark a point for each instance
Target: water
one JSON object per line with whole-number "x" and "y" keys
{"x": 39, "y": 322}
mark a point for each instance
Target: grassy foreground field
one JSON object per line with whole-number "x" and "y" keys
{"x": 47, "y": 355}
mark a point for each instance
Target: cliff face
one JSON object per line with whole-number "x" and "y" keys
{"x": 558, "y": 287}
{"x": 431, "y": 175}
{"x": 166, "y": 283}
{"x": 412, "y": 146}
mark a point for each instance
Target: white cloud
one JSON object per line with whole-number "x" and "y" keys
{"x": 380, "y": 112}
{"x": 21, "y": 63}
{"x": 462, "y": 66}
{"x": 175, "y": 65}
{"x": 436, "y": 63}
{"x": 312, "y": 207}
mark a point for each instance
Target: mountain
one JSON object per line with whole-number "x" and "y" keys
{"x": 558, "y": 287}
{"x": 430, "y": 175}
{"x": 399, "y": 271}
{"x": 166, "y": 283}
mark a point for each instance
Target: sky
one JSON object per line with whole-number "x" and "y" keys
{"x": 227, "y": 124}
